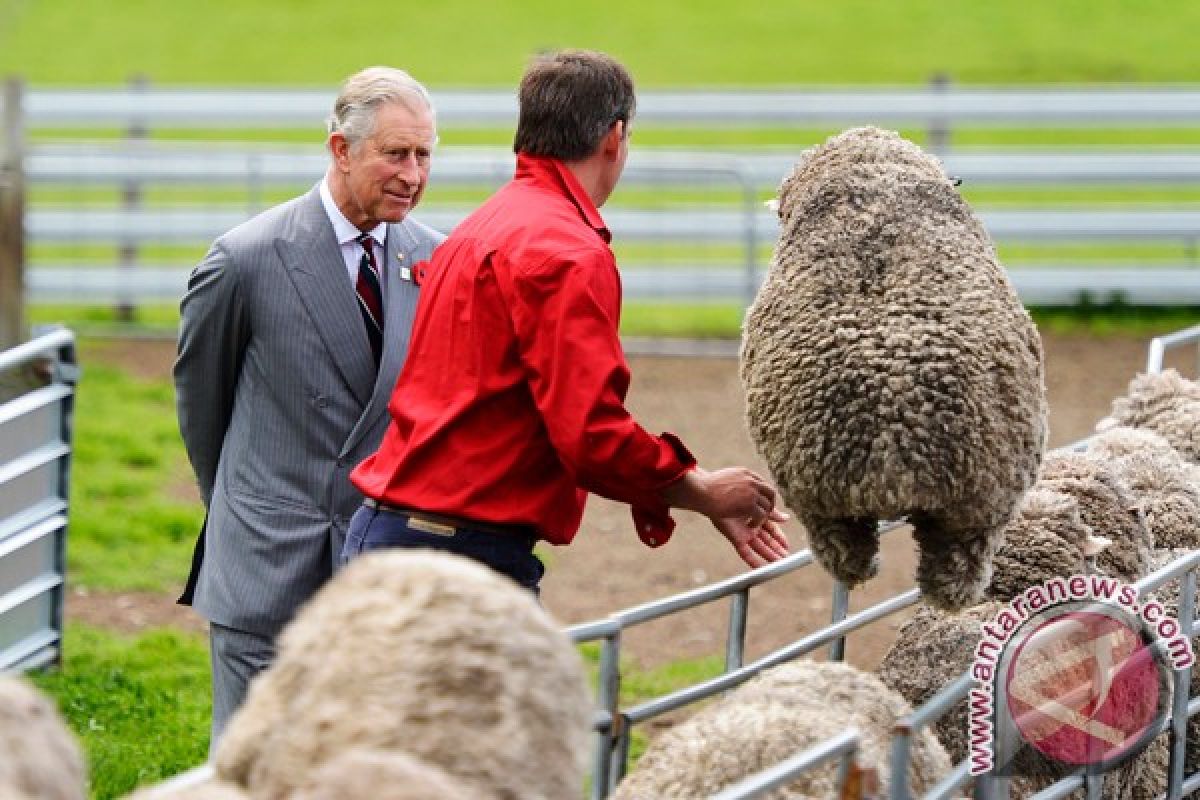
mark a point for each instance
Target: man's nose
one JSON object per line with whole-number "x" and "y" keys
{"x": 409, "y": 170}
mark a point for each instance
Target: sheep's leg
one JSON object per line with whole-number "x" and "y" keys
{"x": 848, "y": 547}
{"x": 955, "y": 565}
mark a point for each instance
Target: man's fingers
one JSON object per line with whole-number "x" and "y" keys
{"x": 766, "y": 546}
{"x": 752, "y": 559}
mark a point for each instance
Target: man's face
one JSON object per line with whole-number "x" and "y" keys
{"x": 382, "y": 177}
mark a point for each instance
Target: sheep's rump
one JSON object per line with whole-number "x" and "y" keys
{"x": 889, "y": 367}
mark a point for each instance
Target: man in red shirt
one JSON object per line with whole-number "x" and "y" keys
{"x": 510, "y": 407}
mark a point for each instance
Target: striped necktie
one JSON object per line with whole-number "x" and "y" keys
{"x": 370, "y": 295}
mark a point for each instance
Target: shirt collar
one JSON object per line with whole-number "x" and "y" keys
{"x": 546, "y": 170}
{"x": 344, "y": 229}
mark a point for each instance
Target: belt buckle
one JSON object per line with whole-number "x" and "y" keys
{"x": 429, "y": 526}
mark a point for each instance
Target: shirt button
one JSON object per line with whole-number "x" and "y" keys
{"x": 652, "y": 541}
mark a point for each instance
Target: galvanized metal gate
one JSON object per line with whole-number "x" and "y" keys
{"x": 37, "y": 395}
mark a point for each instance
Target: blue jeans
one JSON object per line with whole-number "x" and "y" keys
{"x": 508, "y": 554}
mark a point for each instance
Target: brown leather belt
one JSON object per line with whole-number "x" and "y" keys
{"x": 443, "y": 525}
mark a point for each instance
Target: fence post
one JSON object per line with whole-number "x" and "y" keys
{"x": 939, "y": 125}
{"x": 12, "y": 218}
{"x": 131, "y": 200}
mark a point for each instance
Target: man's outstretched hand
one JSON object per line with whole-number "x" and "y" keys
{"x": 757, "y": 545}
{"x": 741, "y": 505}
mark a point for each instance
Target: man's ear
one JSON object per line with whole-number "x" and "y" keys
{"x": 612, "y": 139}
{"x": 339, "y": 148}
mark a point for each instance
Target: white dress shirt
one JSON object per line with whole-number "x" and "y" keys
{"x": 347, "y": 235}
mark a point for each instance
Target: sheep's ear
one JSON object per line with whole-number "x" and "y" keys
{"x": 1094, "y": 545}
{"x": 773, "y": 205}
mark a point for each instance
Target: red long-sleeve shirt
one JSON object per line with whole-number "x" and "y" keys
{"x": 510, "y": 408}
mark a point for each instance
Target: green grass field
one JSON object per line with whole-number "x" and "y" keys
{"x": 666, "y": 42}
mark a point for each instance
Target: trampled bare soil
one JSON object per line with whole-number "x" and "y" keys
{"x": 607, "y": 568}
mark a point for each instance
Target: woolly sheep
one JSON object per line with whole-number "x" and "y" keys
{"x": 40, "y": 757}
{"x": 783, "y": 711}
{"x": 424, "y": 653}
{"x": 1107, "y": 507}
{"x": 1047, "y": 539}
{"x": 889, "y": 367}
{"x": 381, "y": 775}
{"x": 932, "y": 649}
{"x": 1169, "y": 501}
{"x": 1166, "y": 403}
{"x": 1114, "y": 441}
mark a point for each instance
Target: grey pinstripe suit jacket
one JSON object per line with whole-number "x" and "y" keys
{"x": 278, "y": 400}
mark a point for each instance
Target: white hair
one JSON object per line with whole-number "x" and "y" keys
{"x": 364, "y": 92}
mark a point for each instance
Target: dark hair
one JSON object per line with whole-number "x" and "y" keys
{"x": 569, "y": 100}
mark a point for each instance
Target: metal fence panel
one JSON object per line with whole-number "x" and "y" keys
{"x": 35, "y": 456}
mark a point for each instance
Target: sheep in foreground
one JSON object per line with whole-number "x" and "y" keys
{"x": 1047, "y": 539}
{"x": 427, "y": 654}
{"x": 781, "y": 712}
{"x": 1166, "y": 403}
{"x": 379, "y": 775}
{"x": 889, "y": 367}
{"x": 39, "y": 757}
{"x": 1107, "y": 507}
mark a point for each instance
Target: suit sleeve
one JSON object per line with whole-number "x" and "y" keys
{"x": 213, "y": 333}
{"x": 565, "y": 314}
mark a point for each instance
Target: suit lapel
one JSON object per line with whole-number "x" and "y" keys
{"x": 399, "y": 308}
{"x": 314, "y": 264}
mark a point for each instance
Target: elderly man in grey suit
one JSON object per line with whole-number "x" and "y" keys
{"x": 294, "y": 327}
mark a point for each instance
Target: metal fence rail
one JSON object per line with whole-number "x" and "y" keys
{"x": 739, "y": 225}
{"x": 35, "y": 466}
{"x": 945, "y": 105}
{"x": 729, "y": 233}
{"x": 164, "y": 162}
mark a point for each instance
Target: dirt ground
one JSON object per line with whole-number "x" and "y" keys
{"x": 607, "y": 568}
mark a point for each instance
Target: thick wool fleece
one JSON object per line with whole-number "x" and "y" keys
{"x": 781, "y": 712}
{"x": 931, "y": 650}
{"x": 381, "y": 775}
{"x": 1161, "y": 486}
{"x": 1047, "y": 539}
{"x": 422, "y": 653}
{"x": 1107, "y": 507}
{"x": 1114, "y": 441}
{"x": 1166, "y": 403}
{"x": 889, "y": 367}
{"x": 39, "y": 757}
